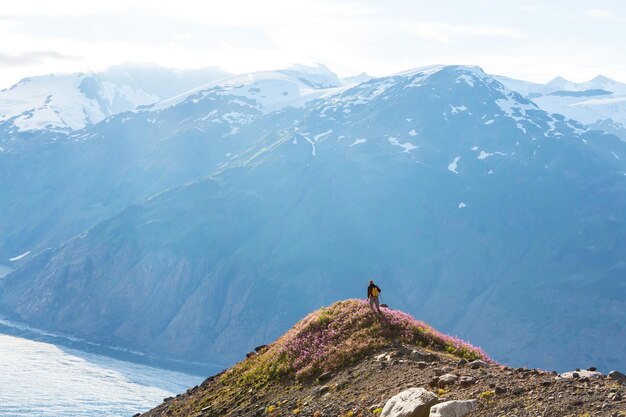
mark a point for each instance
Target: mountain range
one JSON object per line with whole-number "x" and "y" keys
{"x": 201, "y": 225}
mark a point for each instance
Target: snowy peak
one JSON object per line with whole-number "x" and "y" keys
{"x": 68, "y": 102}
{"x": 599, "y": 82}
{"x": 162, "y": 82}
{"x": 558, "y": 83}
{"x": 356, "y": 79}
{"x": 65, "y": 102}
{"x": 318, "y": 76}
{"x": 266, "y": 91}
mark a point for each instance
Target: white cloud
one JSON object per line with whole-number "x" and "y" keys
{"x": 445, "y": 32}
{"x": 529, "y": 7}
{"x": 535, "y": 41}
{"x": 601, "y": 14}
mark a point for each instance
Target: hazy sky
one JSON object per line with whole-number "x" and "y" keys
{"x": 534, "y": 40}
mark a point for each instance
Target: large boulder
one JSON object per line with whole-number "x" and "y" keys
{"x": 413, "y": 402}
{"x": 455, "y": 408}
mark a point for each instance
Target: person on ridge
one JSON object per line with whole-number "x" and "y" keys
{"x": 372, "y": 296}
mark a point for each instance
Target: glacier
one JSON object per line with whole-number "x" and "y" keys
{"x": 43, "y": 380}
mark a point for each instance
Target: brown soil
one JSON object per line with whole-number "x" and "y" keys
{"x": 364, "y": 388}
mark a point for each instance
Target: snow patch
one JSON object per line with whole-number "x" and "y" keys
{"x": 18, "y": 257}
{"x": 358, "y": 142}
{"x": 407, "y": 147}
{"x": 467, "y": 79}
{"x": 454, "y": 165}
{"x": 455, "y": 110}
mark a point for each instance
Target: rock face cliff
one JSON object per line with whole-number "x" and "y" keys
{"x": 344, "y": 360}
{"x": 203, "y": 226}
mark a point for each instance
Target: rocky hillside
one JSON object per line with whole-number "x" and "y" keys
{"x": 345, "y": 361}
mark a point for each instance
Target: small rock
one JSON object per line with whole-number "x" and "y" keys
{"x": 447, "y": 379}
{"x": 413, "y": 402}
{"x": 617, "y": 376}
{"x": 136, "y": 415}
{"x": 403, "y": 351}
{"x": 462, "y": 362}
{"x": 581, "y": 374}
{"x": 453, "y": 408}
{"x": 478, "y": 364}
{"x": 418, "y": 356}
{"x": 258, "y": 349}
{"x": 517, "y": 391}
{"x": 250, "y": 354}
{"x": 500, "y": 390}
{"x": 615, "y": 397}
{"x": 325, "y": 376}
{"x": 466, "y": 381}
{"x": 207, "y": 408}
{"x": 259, "y": 411}
{"x": 592, "y": 369}
{"x": 422, "y": 365}
{"x": 546, "y": 383}
{"x": 321, "y": 390}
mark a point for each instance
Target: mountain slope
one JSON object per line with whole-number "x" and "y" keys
{"x": 478, "y": 211}
{"x": 130, "y": 157}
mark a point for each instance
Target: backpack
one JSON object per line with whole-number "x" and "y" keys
{"x": 374, "y": 292}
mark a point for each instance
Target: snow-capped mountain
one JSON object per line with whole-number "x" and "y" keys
{"x": 265, "y": 91}
{"x": 69, "y": 102}
{"x": 599, "y": 103}
{"x": 66, "y": 102}
{"x": 209, "y": 223}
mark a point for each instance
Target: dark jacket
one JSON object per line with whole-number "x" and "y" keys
{"x": 370, "y": 288}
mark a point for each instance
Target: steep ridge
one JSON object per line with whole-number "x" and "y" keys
{"x": 343, "y": 360}
{"x": 478, "y": 211}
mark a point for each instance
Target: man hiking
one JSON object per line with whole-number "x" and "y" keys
{"x": 372, "y": 296}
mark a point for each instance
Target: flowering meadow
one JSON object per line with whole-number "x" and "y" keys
{"x": 340, "y": 335}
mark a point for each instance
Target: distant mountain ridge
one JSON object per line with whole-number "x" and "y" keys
{"x": 206, "y": 226}
{"x": 600, "y": 102}
{"x": 64, "y": 103}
